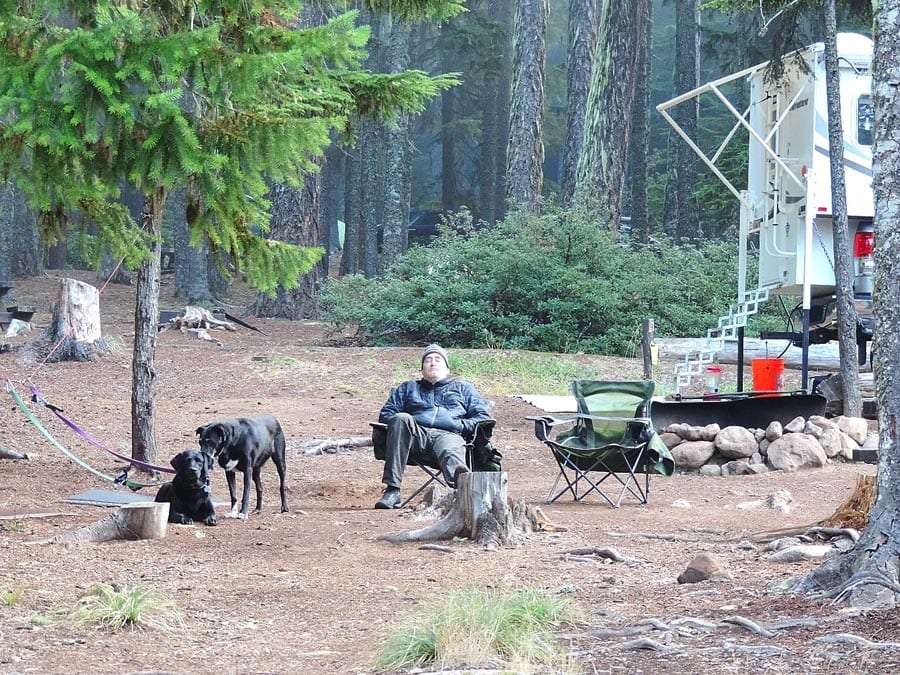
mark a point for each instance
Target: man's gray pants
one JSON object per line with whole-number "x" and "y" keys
{"x": 437, "y": 447}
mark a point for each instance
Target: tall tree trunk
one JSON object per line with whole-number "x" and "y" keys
{"x": 191, "y": 263}
{"x": 485, "y": 167}
{"x": 369, "y": 139}
{"x": 601, "y": 166}
{"x": 525, "y": 151}
{"x": 396, "y": 142}
{"x": 579, "y": 60}
{"x": 58, "y": 251}
{"x": 449, "y": 63}
{"x": 332, "y": 199}
{"x": 134, "y": 202}
{"x": 843, "y": 263}
{"x": 146, "y": 318}
{"x": 352, "y": 210}
{"x": 684, "y": 216}
{"x": 296, "y": 219}
{"x": 21, "y": 250}
{"x": 639, "y": 145}
{"x": 868, "y": 574}
{"x": 504, "y": 14}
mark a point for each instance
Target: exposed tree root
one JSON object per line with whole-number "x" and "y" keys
{"x": 11, "y": 454}
{"x": 330, "y": 446}
{"x": 856, "y": 641}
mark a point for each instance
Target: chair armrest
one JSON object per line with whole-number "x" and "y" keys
{"x": 543, "y": 425}
{"x": 378, "y": 425}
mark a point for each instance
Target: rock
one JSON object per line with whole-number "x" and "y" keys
{"x": 802, "y": 552}
{"x": 774, "y": 431}
{"x": 692, "y": 433}
{"x": 756, "y": 458}
{"x": 745, "y": 545}
{"x": 678, "y": 429}
{"x": 855, "y": 427}
{"x": 757, "y": 468}
{"x": 831, "y": 442}
{"x": 738, "y": 467}
{"x": 704, "y": 566}
{"x": 709, "y": 432}
{"x": 848, "y": 445}
{"x": 813, "y": 430}
{"x": 758, "y": 434}
{"x": 764, "y": 446}
{"x": 681, "y": 504}
{"x": 796, "y": 451}
{"x": 823, "y": 422}
{"x": 783, "y": 542}
{"x": 692, "y": 455}
{"x": 795, "y": 426}
{"x": 736, "y": 442}
{"x": 670, "y": 439}
{"x": 780, "y": 501}
{"x": 710, "y": 470}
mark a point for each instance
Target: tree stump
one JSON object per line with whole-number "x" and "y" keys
{"x": 482, "y": 512}
{"x": 141, "y": 520}
{"x": 75, "y": 325}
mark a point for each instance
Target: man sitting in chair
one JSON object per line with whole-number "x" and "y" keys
{"x": 429, "y": 417}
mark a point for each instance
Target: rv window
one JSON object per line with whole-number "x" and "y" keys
{"x": 865, "y": 120}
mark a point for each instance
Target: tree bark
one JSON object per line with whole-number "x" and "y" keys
{"x": 579, "y": 61}
{"x": 21, "y": 251}
{"x": 449, "y": 64}
{"x": 369, "y": 138}
{"x": 843, "y": 264}
{"x": 868, "y": 574}
{"x": 396, "y": 144}
{"x": 525, "y": 150}
{"x": 296, "y": 219}
{"x": 191, "y": 263}
{"x": 601, "y": 166}
{"x": 352, "y": 213}
{"x": 146, "y": 318}
{"x": 505, "y": 17}
{"x": 332, "y": 199}
{"x": 639, "y": 145}
{"x": 683, "y": 215}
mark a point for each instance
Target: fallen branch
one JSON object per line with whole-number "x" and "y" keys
{"x": 435, "y": 547}
{"x": 856, "y": 641}
{"x": 748, "y": 624}
{"x": 321, "y": 446}
{"x": 647, "y": 643}
{"x": 606, "y": 552}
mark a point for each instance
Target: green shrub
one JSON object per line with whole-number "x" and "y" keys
{"x": 480, "y": 628}
{"x": 557, "y": 282}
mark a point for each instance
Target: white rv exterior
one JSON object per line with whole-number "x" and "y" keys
{"x": 792, "y": 113}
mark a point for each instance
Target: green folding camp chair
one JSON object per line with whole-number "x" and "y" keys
{"x": 611, "y": 433}
{"x": 480, "y": 454}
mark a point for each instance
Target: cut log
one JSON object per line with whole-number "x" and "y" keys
{"x": 74, "y": 332}
{"x": 11, "y": 454}
{"x": 481, "y": 511}
{"x": 141, "y": 520}
{"x": 330, "y": 446}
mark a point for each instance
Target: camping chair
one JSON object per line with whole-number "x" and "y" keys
{"x": 611, "y": 433}
{"x": 480, "y": 454}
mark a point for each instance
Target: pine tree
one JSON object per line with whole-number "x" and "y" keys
{"x": 224, "y": 94}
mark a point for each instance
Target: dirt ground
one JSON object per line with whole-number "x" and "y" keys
{"x": 314, "y": 590}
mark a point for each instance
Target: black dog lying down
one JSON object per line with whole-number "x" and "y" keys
{"x": 188, "y": 493}
{"x": 244, "y": 445}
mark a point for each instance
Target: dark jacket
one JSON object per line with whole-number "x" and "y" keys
{"x": 451, "y": 405}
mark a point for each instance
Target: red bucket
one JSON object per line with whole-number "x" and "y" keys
{"x": 768, "y": 374}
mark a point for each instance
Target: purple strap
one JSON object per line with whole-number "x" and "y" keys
{"x": 38, "y": 397}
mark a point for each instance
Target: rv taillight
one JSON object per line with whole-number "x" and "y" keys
{"x": 863, "y": 244}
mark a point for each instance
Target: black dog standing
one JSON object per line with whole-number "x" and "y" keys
{"x": 244, "y": 445}
{"x": 188, "y": 493}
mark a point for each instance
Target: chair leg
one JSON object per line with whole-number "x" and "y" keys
{"x": 432, "y": 478}
{"x": 570, "y": 486}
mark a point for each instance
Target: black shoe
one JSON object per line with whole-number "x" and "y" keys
{"x": 390, "y": 499}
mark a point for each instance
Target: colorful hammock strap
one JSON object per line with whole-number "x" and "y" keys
{"x": 38, "y": 397}
{"x": 36, "y": 423}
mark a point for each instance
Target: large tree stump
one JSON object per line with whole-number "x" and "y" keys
{"x": 141, "y": 520}
{"x": 482, "y": 512}
{"x": 74, "y": 333}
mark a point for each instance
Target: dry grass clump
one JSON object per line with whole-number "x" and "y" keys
{"x": 854, "y": 512}
{"x": 115, "y": 607}
{"x": 478, "y": 628}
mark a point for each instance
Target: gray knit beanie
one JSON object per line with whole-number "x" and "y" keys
{"x": 436, "y": 349}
